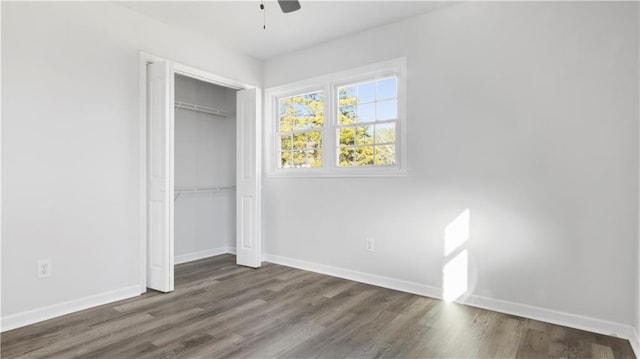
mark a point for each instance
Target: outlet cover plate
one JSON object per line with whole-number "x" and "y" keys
{"x": 370, "y": 245}
{"x": 44, "y": 268}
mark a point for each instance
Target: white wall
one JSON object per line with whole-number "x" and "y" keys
{"x": 205, "y": 156}
{"x": 524, "y": 113}
{"x": 70, "y": 143}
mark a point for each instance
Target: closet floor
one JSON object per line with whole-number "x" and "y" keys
{"x": 221, "y": 310}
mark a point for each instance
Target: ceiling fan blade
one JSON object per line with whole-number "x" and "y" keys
{"x": 289, "y": 5}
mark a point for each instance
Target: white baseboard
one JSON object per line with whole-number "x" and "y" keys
{"x": 37, "y": 315}
{"x": 184, "y": 258}
{"x": 380, "y": 281}
{"x": 576, "y": 321}
{"x": 522, "y": 310}
{"x": 547, "y": 315}
{"x": 635, "y": 342}
{"x": 18, "y": 320}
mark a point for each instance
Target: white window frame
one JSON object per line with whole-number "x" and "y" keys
{"x": 277, "y": 131}
{"x": 329, "y": 84}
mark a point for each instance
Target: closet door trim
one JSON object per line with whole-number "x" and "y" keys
{"x": 179, "y": 68}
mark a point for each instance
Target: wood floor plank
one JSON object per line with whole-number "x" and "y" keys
{"x": 51, "y": 350}
{"x": 106, "y": 345}
{"x": 204, "y": 322}
{"x": 601, "y": 351}
{"x": 275, "y": 345}
{"x": 221, "y": 310}
{"x": 535, "y": 345}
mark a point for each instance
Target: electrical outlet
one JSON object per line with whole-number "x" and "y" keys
{"x": 370, "y": 245}
{"x": 44, "y": 268}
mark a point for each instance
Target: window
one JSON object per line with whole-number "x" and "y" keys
{"x": 345, "y": 124}
{"x": 367, "y": 122}
{"x": 300, "y": 126}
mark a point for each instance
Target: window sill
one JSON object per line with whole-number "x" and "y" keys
{"x": 342, "y": 172}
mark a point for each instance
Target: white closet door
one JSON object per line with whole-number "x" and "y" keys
{"x": 160, "y": 149}
{"x": 248, "y": 178}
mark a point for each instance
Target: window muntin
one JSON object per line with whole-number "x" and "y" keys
{"x": 366, "y": 130}
{"x": 300, "y": 128}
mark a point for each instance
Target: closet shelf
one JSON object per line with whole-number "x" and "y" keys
{"x": 203, "y": 109}
{"x": 179, "y": 190}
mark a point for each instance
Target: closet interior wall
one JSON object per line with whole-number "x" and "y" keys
{"x": 205, "y": 158}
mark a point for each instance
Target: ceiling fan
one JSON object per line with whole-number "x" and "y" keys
{"x": 285, "y": 5}
{"x": 289, "y": 5}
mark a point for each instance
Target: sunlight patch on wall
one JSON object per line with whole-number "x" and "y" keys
{"x": 455, "y": 272}
{"x": 456, "y": 233}
{"x": 455, "y": 277}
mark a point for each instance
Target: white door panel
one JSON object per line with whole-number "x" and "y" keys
{"x": 160, "y": 144}
{"x": 248, "y": 178}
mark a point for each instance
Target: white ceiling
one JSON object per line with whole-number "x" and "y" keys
{"x": 238, "y": 24}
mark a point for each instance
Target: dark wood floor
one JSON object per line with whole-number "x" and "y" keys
{"x": 220, "y": 310}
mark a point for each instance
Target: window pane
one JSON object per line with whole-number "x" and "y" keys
{"x": 286, "y": 160}
{"x": 367, "y": 92}
{"x": 299, "y": 158}
{"x": 301, "y": 111}
{"x": 287, "y": 114}
{"x": 388, "y": 88}
{"x": 364, "y": 135}
{"x": 346, "y": 115}
{"x": 284, "y": 108}
{"x": 346, "y": 156}
{"x": 364, "y": 156}
{"x": 299, "y": 141}
{"x": 312, "y": 110}
{"x": 386, "y": 155}
{"x": 385, "y": 133}
{"x": 286, "y": 122}
{"x": 346, "y": 136}
{"x": 286, "y": 142}
{"x": 301, "y": 123}
{"x": 315, "y": 158}
{"x": 347, "y": 93}
{"x": 387, "y": 110}
{"x": 367, "y": 112}
{"x": 314, "y": 140}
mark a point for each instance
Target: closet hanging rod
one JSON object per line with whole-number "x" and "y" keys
{"x": 195, "y": 189}
{"x": 203, "y": 109}
{"x": 204, "y": 189}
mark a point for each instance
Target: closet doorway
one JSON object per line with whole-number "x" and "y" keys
{"x": 205, "y": 169}
{"x": 202, "y": 169}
